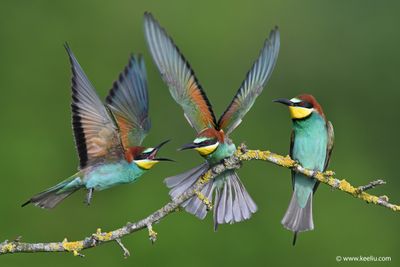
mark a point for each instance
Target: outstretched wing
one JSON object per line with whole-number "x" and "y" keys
{"x": 96, "y": 135}
{"x": 129, "y": 102}
{"x": 178, "y": 75}
{"x": 253, "y": 85}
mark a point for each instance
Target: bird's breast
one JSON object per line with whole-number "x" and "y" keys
{"x": 223, "y": 151}
{"x": 109, "y": 175}
{"x": 310, "y": 145}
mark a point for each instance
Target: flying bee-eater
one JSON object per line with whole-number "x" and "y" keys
{"x": 311, "y": 145}
{"x": 231, "y": 201}
{"x": 108, "y": 137}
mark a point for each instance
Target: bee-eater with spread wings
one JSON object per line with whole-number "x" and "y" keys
{"x": 231, "y": 201}
{"x": 107, "y": 137}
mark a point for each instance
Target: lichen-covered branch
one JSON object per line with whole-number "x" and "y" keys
{"x": 324, "y": 177}
{"x": 241, "y": 155}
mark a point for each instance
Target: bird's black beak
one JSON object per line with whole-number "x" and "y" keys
{"x": 284, "y": 101}
{"x": 157, "y": 148}
{"x": 164, "y": 159}
{"x": 188, "y": 146}
{"x": 160, "y": 145}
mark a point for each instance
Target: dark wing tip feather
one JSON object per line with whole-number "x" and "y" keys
{"x": 149, "y": 19}
{"x": 79, "y": 134}
{"x": 271, "y": 43}
{"x": 133, "y": 58}
{"x": 26, "y": 203}
{"x": 128, "y": 99}
{"x": 77, "y": 126}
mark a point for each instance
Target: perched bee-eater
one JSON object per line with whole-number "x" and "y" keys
{"x": 311, "y": 145}
{"x": 231, "y": 201}
{"x": 107, "y": 137}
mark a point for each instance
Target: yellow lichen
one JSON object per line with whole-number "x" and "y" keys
{"x": 329, "y": 173}
{"x": 152, "y": 234}
{"x": 205, "y": 178}
{"x": 102, "y": 236}
{"x": 72, "y": 246}
{"x": 396, "y": 208}
{"x": 9, "y": 247}
{"x": 370, "y": 198}
{"x": 346, "y": 186}
{"x": 250, "y": 154}
{"x": 285, "y": 161}
{"x": 204, "y": 199}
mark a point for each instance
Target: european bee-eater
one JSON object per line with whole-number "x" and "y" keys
{"x": 231, "y": 201}
{"x": 311, "y": 145}
{"x": 107, "y": 137}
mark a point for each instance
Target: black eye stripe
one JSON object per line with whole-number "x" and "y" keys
{"x": 303, "y": 104}
{"x": 207, "y": 142}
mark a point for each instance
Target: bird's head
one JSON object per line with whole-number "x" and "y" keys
{"x": 302, "y": 106}
{"x": 206, "y": 142}
{"x": 143, "y": 157}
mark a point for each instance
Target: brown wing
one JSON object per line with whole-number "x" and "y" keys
{"x": 178, "y": 75}
{"x": 96, "y": 135}
{"x": 129, "y": 102}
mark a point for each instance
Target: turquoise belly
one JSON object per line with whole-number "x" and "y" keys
{"x": 310, "y": 150}
{"x": 109, "y": 175}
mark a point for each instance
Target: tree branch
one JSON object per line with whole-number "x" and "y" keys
{"x": 234, "y": 162}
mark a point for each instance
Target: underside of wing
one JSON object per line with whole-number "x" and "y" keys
{"x": 96, "y": 136}
{"x": 129, "y": 102}
{"x": 178, "y": 75}
{"x": 253, "y": 85}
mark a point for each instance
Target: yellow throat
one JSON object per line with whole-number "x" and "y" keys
{"x": 146, "y": 164}
{"x": 206, "y": 150}
{"x": 299, "y": 112}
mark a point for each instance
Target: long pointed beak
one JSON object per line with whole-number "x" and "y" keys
{"x": 188, "y": 146}
{"x": 164, "y": 159}
{"x": 284, "y": 101}
{"x": 157, "y": 148}
{"x": 160, "y": 145}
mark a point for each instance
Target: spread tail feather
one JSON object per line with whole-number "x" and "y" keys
{"x": 51, "y": 197}
{"x": 298, "y": 219}
{"x": 232, "y": 202}
{"x": 182, "y": 182}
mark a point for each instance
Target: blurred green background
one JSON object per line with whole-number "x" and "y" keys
{"x": 345, "y": 53}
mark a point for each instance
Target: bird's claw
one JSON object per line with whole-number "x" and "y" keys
{"x": 89, "y": 196}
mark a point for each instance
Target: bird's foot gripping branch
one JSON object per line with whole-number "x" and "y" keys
{"x": 242, "y": 154}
